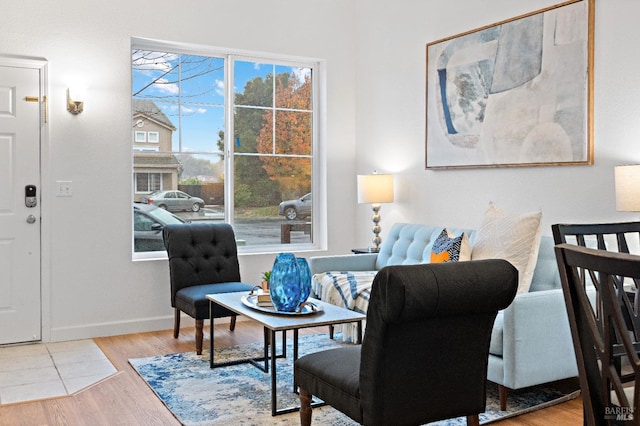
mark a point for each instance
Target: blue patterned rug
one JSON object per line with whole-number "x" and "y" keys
{"x": 240, "y": 394}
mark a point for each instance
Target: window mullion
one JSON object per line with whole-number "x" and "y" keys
{"x": 229, "y": 156}
{"x": 273, "y": 111}
{"x": 179, "y": 83}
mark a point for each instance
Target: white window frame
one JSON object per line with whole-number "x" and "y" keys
{"x": 155, "y": 138}
{"x": 140, "y": 136}
{"x": 318, "y": 150}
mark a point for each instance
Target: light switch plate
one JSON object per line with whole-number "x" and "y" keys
{"x": 64, "y": 188}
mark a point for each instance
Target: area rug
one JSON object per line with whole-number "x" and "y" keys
{"x": 241, "y": 394}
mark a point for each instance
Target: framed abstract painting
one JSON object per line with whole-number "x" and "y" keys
{"x": 515, "y": 93}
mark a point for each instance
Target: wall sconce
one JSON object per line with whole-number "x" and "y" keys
{"x": 627, "y": 185}
{"x": 375, "y": 189}
{"x": 75, "y": 99}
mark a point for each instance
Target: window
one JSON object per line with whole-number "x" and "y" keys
{"x": 147, "y": 182}
{"x": 141, "y": 136}
{"x": 237, "y": 133}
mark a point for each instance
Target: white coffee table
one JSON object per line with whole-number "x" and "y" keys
{"x": 328, "y": 314}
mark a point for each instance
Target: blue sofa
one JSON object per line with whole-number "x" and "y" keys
{"x": 531, "y": 340}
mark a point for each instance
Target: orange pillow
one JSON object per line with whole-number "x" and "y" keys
{"x": 449, "y": 248}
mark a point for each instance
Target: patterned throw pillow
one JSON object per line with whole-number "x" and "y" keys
{"x": 449, "y": 248}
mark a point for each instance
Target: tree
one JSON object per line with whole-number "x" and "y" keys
{"x": 193, "y": 167}
{"x": 252, "y": 185}
{"x": 288, "y": 162}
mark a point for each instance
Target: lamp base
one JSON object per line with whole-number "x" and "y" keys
{"x": 376, "y": 228}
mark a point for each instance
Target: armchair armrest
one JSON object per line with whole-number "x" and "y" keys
{"x": 347, "y": 262}
{"x": 537, "y": 340}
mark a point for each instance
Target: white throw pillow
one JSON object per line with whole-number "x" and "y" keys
{"x": 511, "y": 236}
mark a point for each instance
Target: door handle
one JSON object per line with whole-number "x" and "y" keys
{"x": 31, "y": 219}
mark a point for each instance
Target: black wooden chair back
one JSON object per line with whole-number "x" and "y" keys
{"x": 605, "y": 343}
{"x": 425, "y": 350}
{"x": 613, "y": 237}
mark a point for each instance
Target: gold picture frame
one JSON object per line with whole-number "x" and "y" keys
{"x": 513, "y": 94}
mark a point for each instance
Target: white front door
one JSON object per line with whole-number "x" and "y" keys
{"x": 20, "y": 130}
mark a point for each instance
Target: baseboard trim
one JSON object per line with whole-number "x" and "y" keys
{"x": 115, "y": 328}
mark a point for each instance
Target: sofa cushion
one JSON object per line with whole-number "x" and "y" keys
{"x": 497, "y": 341}
{"x": 450, "y": 248}
{"x": 410, "y": 244}
{"x": 511, "y": 236}
{"x": 545, "y": 275}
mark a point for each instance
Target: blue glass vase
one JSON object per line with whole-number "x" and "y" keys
{"x": 284, "y": 285}
{"x": 305, "y": 279}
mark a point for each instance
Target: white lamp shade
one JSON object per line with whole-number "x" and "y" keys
{"x": 375, "y": 189}
{"x": 627, "y": 182}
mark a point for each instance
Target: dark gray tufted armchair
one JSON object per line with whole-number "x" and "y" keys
{"x": 425, "y": 351}
{"x": 203, "y": 259}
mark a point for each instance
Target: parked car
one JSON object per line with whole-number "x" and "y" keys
{"x": 174, "y": 201}
{"x": 296, "y": 209}
{"x": 148, "y": 223}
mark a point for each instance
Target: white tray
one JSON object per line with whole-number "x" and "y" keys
{"x": 308, "y": 308}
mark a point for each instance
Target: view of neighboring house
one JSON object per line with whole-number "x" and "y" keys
{"x": 154, "y": 167}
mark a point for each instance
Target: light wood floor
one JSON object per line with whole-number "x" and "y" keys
{"x": 125, "y": 399}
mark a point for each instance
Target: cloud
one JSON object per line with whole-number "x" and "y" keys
{"x": 163, "y": 85}
{"x": 188, "y": 110}
{"x": 219, "y": 87}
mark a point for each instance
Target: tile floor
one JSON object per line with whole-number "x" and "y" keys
{"x": 47, "y": 370}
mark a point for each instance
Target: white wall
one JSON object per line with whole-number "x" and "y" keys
{"x": 91, "y": 285}
{"x": 390, "y": 109}
{"x": 375, "y": 53}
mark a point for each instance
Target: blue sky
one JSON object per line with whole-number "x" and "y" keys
{"x": 202, "y": 97}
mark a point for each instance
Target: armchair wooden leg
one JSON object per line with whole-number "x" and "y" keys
{"x": 176, "y": 324}
{"x": 473, "y": 420}
{"x": 199, "y": 326}
{"x": 305, "y": 408}
{"x": 503, "y": 393}
{"x": 331, "y": 332}
{"x": 232, "y": 323}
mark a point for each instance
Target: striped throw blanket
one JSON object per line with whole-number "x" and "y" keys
{"x": 347, "y": 289}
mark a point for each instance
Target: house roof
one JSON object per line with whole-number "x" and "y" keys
{"x": 150, "y": 110}
{"x": 155, "y": 160}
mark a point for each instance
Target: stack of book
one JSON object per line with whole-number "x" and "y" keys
{"x": 264, "y": 300}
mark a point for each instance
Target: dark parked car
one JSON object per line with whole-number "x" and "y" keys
{"x": 296, "y": 209}
{"x": 174, "y": 201}
{"x": 148, "y": 223}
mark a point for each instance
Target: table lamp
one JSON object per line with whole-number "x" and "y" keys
{"x": 627, "y": 184}
{"x": 375, "y": 189}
